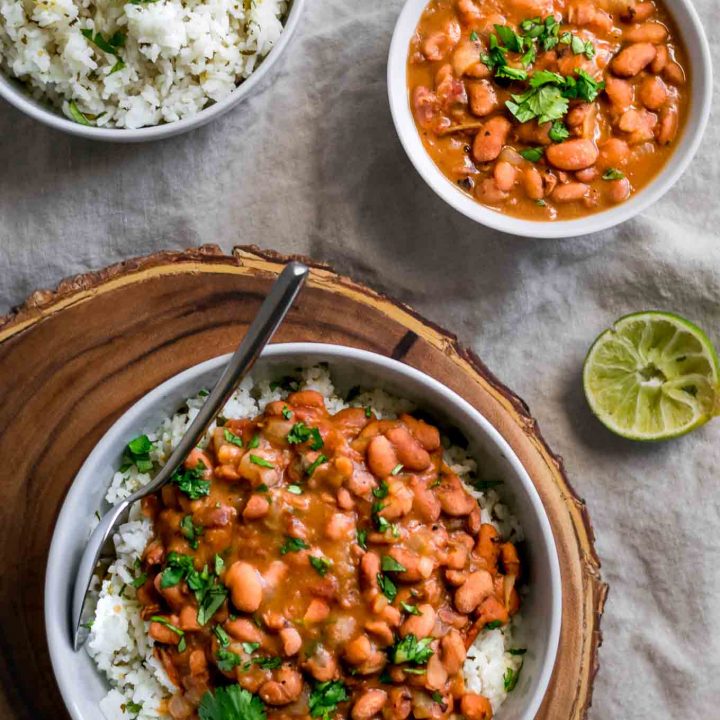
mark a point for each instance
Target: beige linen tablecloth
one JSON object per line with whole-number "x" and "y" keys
{"x": 312, "y": 165}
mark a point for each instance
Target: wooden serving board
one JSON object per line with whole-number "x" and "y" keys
{"x": 73, "y": 359}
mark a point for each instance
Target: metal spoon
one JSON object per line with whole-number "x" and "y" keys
{"x": 263, "y": 327}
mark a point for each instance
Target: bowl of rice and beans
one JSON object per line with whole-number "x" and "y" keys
{"x": 138, "y": 70}
{"x": 350, "y": 539}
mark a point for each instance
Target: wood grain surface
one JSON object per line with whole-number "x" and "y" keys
{"x": 73, "y": 359}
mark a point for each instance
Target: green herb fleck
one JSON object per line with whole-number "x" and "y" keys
{"x": 397, "y": 469}
{"x": 390, "y": 564}
{"x": 510, "y": 679}
{"x": 533, "y": 154}
{"x": 292, "y": 544}
{"x": 325, "y": 697}
{"x": 387, "y": 586}
{"x": 321, "y": 565}
{"x": 410, "y": 609}
{"x": 261, "y": 461}
{"x": 190, "y": 531}
{"x": 231, "y": 703}
{"x": 613, "y": 174}
{"x": 190, "y": 481}
{"x": 294, "y": 489}
{"x": 361, "y": 537}
{"x": 321, "y": 459}
{"x": 300, "y": 433}
{"x": 411, "y": 650}
{"x": 231, "y": 437}
{"x": 381, "y": 491}
{"x": 254, "y": 443}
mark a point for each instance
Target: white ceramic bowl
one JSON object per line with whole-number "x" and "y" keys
{"x": 16, "y": 94}
{"x": 82, "y": 686}
{"x": 693, "y": 35}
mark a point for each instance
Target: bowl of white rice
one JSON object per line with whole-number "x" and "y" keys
{"x": 117, "y": 676}
{"x": 137, "y": 70}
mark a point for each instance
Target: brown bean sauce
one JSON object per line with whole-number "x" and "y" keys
{"x": 601, "y": 152}
{"x": 335, "y": 545}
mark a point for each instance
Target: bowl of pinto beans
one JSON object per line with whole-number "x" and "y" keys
{"x": 350, "y": 540}
{"x": 550, "y": 119}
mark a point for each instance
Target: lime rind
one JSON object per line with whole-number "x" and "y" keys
{"x": 652, "y": 376}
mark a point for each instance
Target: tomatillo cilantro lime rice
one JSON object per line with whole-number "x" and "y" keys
{"x": 316, "y": 556}
{"x": 144, "y": 62}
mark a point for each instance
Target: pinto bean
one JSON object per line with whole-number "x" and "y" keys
{"x": 469, "y": 12}
{"x": 339, "y": 526}
{"x": 490, "y": 139}
{"x": 419, "y": 625}
{"x": 318, "y": 610}
{"x": 587, "y": 175}
{"x": 632, "y": 59}
{"x": 417, "y": 567}
{"x": 453, "y": 651}
{"x": 245, "y": 586}
{"x": 427, "y": 435}
{"x": 473, "y": 591}
{"x": 465, "y": 56}
{"x": 399, "y": 703}
{"x": 381, "y": 631}
{"x": 614, "y": 152}
{"x": 533, "y": 184}
{"x": 284, "y": 688}
{"x": 381, "y": 456}
{"x": 572, "y": 155}
{"x": 243, "y": 630}
{"x": 570, "y": 192}
{"x": 369, "y": 568}
{"x": 453, "y": 498}
{"x": 619, "y": 190}
{"x": 410, "y": 453}
{"x": 639, "y": 124}
{"x": 436, "y": 674}
{"x": 368, "y": 704}
{"x": 667, "y": 129}
{"x": 662, "y": 57}
{"x": 482, "y": 98}
{"x": 488, "y": 191}
{"x": 436, "y": 46}
{"x": 637, "y": 11}
{"x": 504, "y": 174}
{"x": 291, "y": 641}
{"x": 188, "y": 619}
{"x": 620, "y": 92}
{"x": 229, "y": 454}
{"x": 651, "y": 32}
{"x": 399, "y": 502}
{"x": 163, "y": 634}
{"x": 425, "y": 504}
{"x": 257, "y": 507}
{"x": 426, "y": 106}
{"x": 674, "y": 74}
{"x": 475, "y": 707}
{"x": 653, "y": 93}
{"x": 322, "y": 664}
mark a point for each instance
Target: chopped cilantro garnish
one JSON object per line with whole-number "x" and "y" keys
{"x": 287, "y": 412}
{"x": 261, "y": 461}
{"x": 368, "y": 412}
{"x": 231, "y": 437}
{"x": 300, "y": 433}
{"x": 133, "y": 708}
{"x": 361, "y": 537}
{"x": 411, "y": 650}
{"x": 292, "y": 544}
{"x": 250, "y": 647}
{"x": 510, "y": 679}
{"x": 533, "y": 154}
{"x": 381, "y": 491}
{"x": 493, "y": 625}
{"x": 325, "y": 697}
{"x": 390, "y": 564}
{"x": 227, "y": 659}
{"x": 221, "y": 635}
{"x": 517, "y": 651}
{"x": 410, "y": 609}
{"x": 190, "y": 481}
{"x": 268, "y": 663}
{"x": 613, "y": 174}
{"x": 231, "y": 703}
{"x": 137, "y": 452}
{"x": 254, "y": 443}
{"x": 140, "y": 580}
{"x": 483, "y": 485}
{"x": 321, "y": 564}
{"x": 397, "y": 469}
{"x": 558, "y": 132}
{"x": 312, "y": 468}
{"x": 437, "y": 697}
{"x": 219, "y": 564}
{"x": 387, "y": 586}
{"x": 167, "y": 624}
{"x": 294, "y": 489}
{"x": 190, "y": 531}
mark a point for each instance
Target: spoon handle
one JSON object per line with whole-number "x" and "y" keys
{"x": 272, "y": 312}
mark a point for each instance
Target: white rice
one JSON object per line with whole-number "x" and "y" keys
{"x": 119, "y": 643}
{"x": 176, "y": 56}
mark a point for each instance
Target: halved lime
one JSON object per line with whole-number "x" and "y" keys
{"x": 652, "y": 376}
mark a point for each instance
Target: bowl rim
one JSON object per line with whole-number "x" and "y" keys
{"x": 57, "y": 634}
{"x": 695, "y": 40}
{"x": 19, "y": 98}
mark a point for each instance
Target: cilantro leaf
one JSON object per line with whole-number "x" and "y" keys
{"x": 293, "y": 544}
{"x": 613, "y": 174}
{"x": 361, "y": 537}
{"x": 325, "y": 697}
{"x": 231, "y": 703}
{"x": 190, "y": 481}
{"x": 410, "y": 609}
{"x": 137, "y": 452}
{"x": 558, "y": 132}
{"x": 390, "y": 564}
{"x": 300, "y": 433}
{"x": 387, "y": 586}
{"x": 411, "y": 650}
{"x": 510, "y": 679}
{"x": 381, "y": 491}
{"x": 227, "y": 659}
{"x": 314, "y": 466}
{"x": 321, "y": 565}
{"x": 231, "y": 437}
{"x": 533, "y": 154}
{"x": 190, "y": 531}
